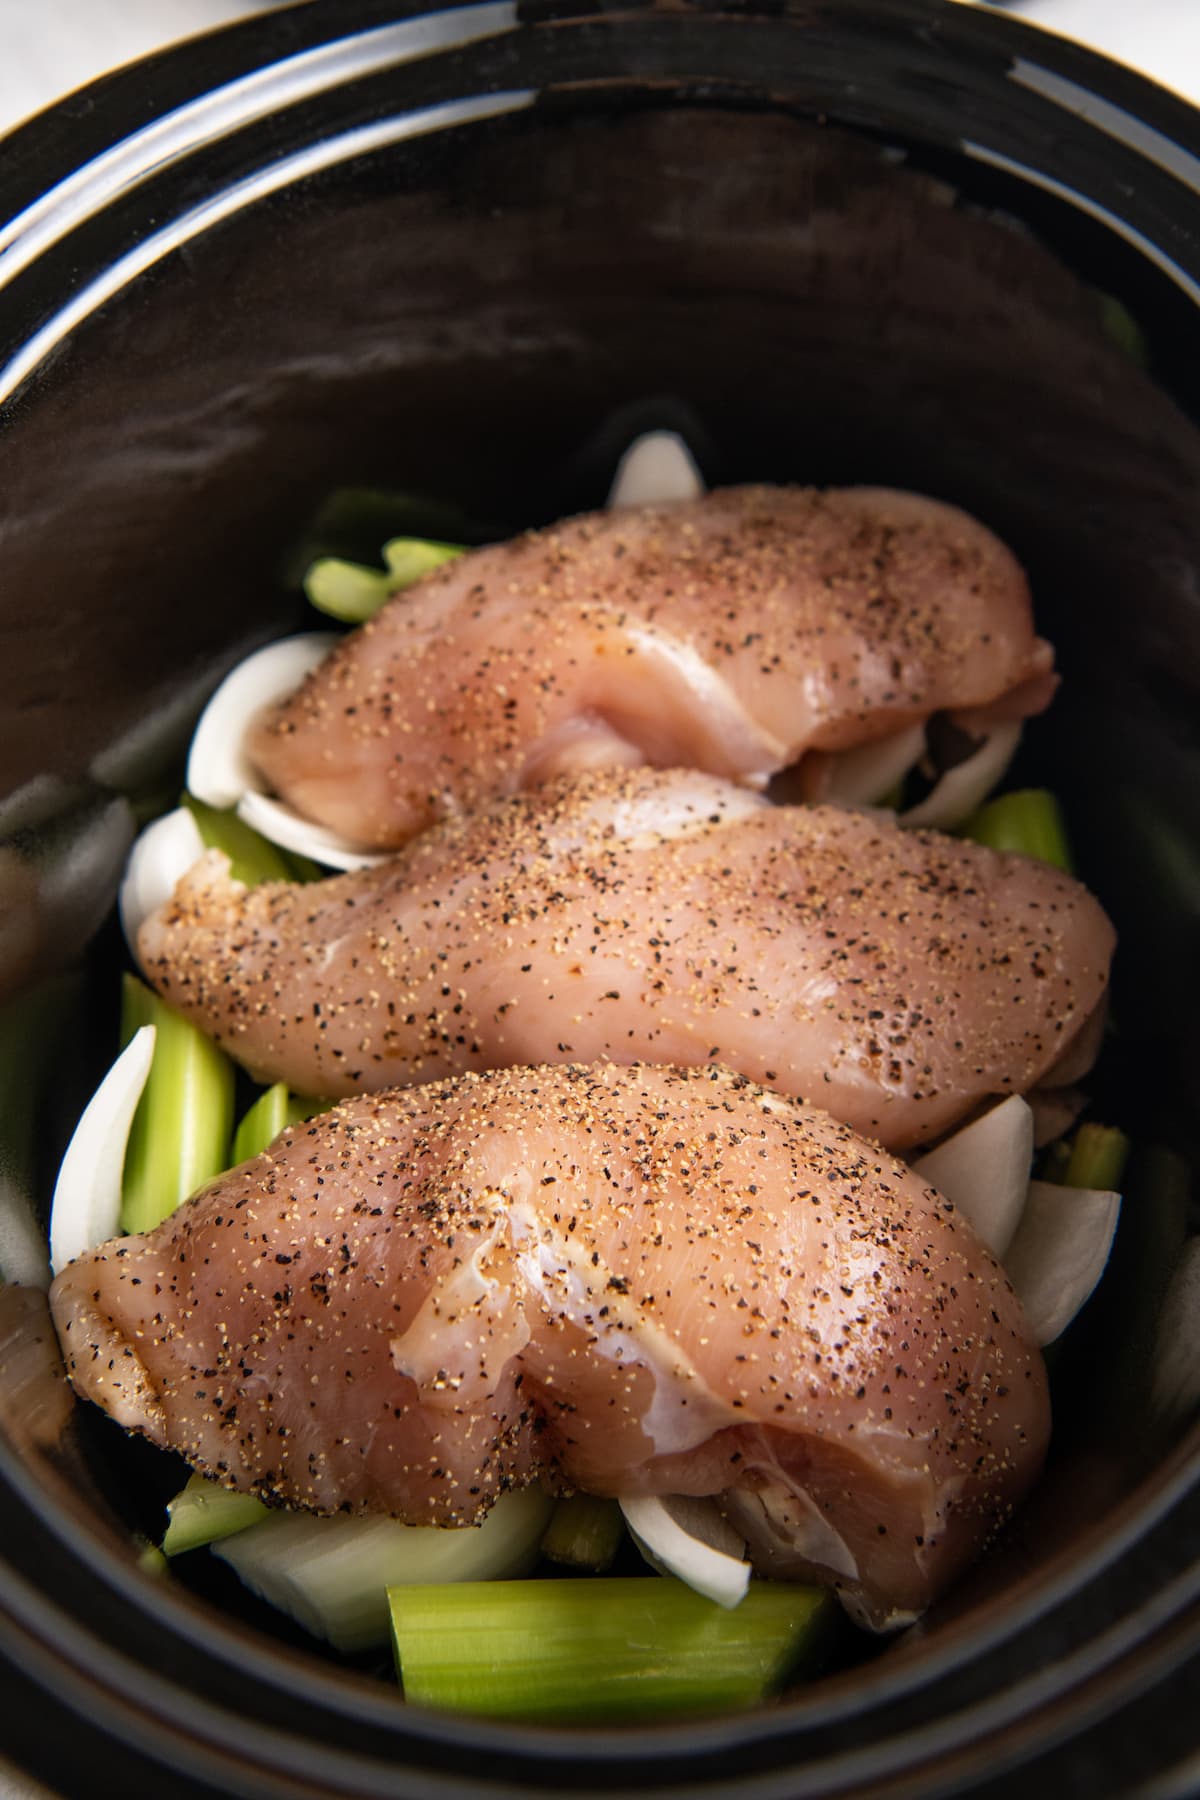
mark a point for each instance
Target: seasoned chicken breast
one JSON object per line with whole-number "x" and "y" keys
{"x": 897, "y": 977}
{"x": 623, "y": 1281}
{"x": 732, "y": 634}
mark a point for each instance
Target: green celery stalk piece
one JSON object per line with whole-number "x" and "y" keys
{"x": 1029, "y": 821}
{"x": 409, "y": 558}
{"x": 253, "y": 858}
{"x": 353, "y": 522}
{"x": 181, "y": 1130}
{"x": 584, "y": 1532}
{"x": 1120, "y": 325}
{"x": 635, "y": 1647}
{"x": 348, "y": 591}
{"x": 275, "y": 1109}
{"x": 353, "y": 591}
{"x": 1098, "y": 1157}
{"x": 203, "y": 1511}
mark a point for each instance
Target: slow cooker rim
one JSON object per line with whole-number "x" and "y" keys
{"x": 116, "y": 103}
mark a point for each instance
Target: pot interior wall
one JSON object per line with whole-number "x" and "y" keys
{"x": 480, "y": 321}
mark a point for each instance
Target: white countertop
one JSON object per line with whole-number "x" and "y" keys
{"x": 52, "y": 46}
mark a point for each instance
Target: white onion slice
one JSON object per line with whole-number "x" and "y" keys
{"x": 292, "y": 831}
{"x": 161, "y": 856}
{"x": 332, "y": 1574}
{"x": 692, "y": 1540}
{"x": 964, "y": 788}
{"x": 1059, "y": 1251}
{"x": 219, "y": 771}
{"x": 984, "y": 1170}
{"x": 1175, "y": 1366}
{"x": 86, "y": 1208}
{"x": 860, "y": 777}
{"x": 657, "y": 468}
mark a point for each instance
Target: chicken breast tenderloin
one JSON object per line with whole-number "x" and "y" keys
{"x": 896, "y": 977}
{"x": 732, "y": 634}
{"x": 623, "y": 1281}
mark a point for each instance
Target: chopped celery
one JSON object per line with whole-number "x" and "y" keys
{"x": 346, "y": 590}
{"x": 1094, "y": 1157}
{"x": 1098, "y": 1157}
{"x": 584, "y": 1532}
{"x": 253, "y": 857}
{"x": 1120, "y": 325}
{"x": 181, "y": 1130}
{"x": 1029, "y": 820}
{"x": 353, "y": 522}
{"x": 203, "y": 1511}
{"x": 275, "y": 1108}
{"x": 616, "y": 1648}
{"x": 353, "y": 591}
{"x": 409, "y": 558}
{"x": 332, "y": 1574}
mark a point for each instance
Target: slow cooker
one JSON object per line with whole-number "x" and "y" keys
{"x": 352, "y": 247}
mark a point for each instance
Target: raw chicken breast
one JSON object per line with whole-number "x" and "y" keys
{"x": 897, "y": 977}
{"x": 731, "y": 634}
{"x": 623, "y": 1281}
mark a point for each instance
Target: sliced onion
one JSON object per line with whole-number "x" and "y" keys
{"x": 86, "y": 1209}
{"x": 657, "y": 467}
{"x": 862, "y": 776}
{"x": 1175, "y": 1368}
{"x": 692, "y": 1540}
{"x": 332, "y": 1574}
{"x": 160, "y": 857}
{"x": 219, "y": 771}
{"x": 1059, "y": 1251}
{"x": 984, "y": 1170}
{"x": 291, "y": 831}
{"x": 964, "y": 788}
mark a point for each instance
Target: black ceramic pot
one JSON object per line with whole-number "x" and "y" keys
{"x": 465, "y": 255}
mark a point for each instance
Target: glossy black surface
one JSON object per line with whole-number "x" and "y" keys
{"x": 761, "y": 225}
